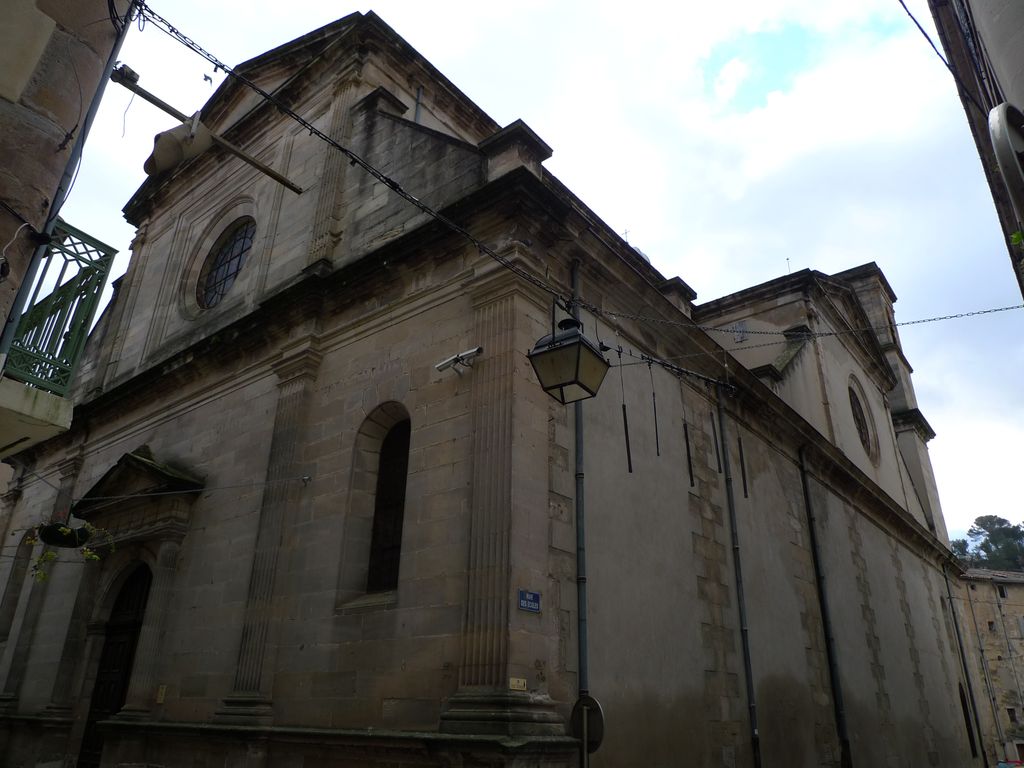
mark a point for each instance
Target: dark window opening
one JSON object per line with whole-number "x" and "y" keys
{"x": 991, "y": 626}
{"x": 743, "y": 467}
{"x": 1011, "y": 712}
{"x": 972, "y": 587}
{"x": 1001, "y": 590}
{"x": 714, "y": 436}
{"x": 389, "y": 510}
{"x": 689, "y": 456}
{"x": 226, "y": 259}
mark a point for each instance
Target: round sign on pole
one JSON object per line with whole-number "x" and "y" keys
{"x": 592, "y": 729}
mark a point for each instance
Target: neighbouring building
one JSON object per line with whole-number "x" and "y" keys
{"x": 992, "y": 610}
{"x": 984, "y": 45}
{"x": 54, "y": 60}
{"x": 340, "y": 543}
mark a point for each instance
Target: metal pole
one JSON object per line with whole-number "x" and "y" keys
{"x": 585, "y": 749}
{"x": 581, "y": 545}
{"x": 730, "y": 499}
{"x": 120, "y": 77}
{"x": 61, "y": 194}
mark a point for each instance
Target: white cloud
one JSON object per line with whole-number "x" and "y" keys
{"x": 728, "y": 81}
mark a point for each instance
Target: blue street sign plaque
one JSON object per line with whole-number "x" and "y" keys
{"x": 529, "y": 601}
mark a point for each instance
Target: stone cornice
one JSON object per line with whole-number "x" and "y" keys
{"x": 915, "y": 420}
{"x": 299, "y": 360}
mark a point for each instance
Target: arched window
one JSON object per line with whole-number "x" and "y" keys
{"x": 371, "y": 546}
{"x": 389, "y": 510}
{"x": 15, "y": 581}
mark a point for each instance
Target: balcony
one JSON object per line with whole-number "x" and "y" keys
{"x": 51, "y": 335}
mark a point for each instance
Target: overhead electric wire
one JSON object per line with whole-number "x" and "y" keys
{"x": 963, "y": 87}
{"x": 871, "y": 329}
{"x": 146, "y": 12}
{"x": 7, "y": 207}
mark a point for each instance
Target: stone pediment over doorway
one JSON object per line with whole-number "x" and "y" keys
{"x": 140, "y": 498}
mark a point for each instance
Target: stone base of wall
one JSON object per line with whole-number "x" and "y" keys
{"x": 29, "y": 741}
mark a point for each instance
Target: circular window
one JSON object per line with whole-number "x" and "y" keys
{"x": 865, "y": 430}
{"x": 226, "y": 259}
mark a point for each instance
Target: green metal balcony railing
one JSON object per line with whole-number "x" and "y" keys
{"x": 65, "y": 295}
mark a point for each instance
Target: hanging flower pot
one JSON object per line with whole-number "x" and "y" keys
{"x": 61, "y": 535}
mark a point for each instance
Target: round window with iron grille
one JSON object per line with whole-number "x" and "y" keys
{"x": 226, "y": 259}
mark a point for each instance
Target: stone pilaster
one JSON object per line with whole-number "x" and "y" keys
{"x": 141, "y": 688}
{"x": 327, "y": 225}
{"x": 69, "y": 469}
{"x": 484, "y": 702}
{"x": 296, "y": 372}
{"x": 73, "y": 649}
{"x": 19, "y": 659}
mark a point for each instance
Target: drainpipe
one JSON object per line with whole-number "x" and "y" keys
{"x": 61, "y": 195}
{"x": 583, "y": 677}
{"x": 963, "y": 663}
{"x": 838, "y": 708}
{"x": 730, "y": 501}
{"x": 988, "y": 679}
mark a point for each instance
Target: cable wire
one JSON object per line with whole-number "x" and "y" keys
{"x": 963, "y": 87}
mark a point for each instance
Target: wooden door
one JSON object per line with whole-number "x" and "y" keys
{"x": 115, "y": 668}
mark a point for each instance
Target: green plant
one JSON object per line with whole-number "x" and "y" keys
{"x": 101, "y": 543}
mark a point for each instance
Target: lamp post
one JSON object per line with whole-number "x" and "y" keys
{"x": 571, "y": 368}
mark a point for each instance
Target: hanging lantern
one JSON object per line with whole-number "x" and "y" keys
{"x": 569, "y": 366}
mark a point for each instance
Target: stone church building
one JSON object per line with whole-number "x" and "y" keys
{"x": 332, "y": 550}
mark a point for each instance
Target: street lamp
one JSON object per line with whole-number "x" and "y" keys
{"x": 568, "y": 365}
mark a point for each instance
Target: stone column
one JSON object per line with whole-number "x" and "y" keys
{"x": 484, "y": 702}
{"x": 296, "y": 371}
{"x": 140, "y": 697}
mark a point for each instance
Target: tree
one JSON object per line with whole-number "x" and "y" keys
{"x": 961, "y": 550}
{"x": 992, "y": 542}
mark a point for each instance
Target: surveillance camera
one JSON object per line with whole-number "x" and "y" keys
{"x": 463, "y": 358}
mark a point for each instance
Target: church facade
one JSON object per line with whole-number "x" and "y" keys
{"x": 326, "y": 538}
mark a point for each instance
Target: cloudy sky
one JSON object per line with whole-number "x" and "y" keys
{"x": 732, "y": 141}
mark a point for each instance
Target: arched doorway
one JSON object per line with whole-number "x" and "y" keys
{"x": 115, "y": 667}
